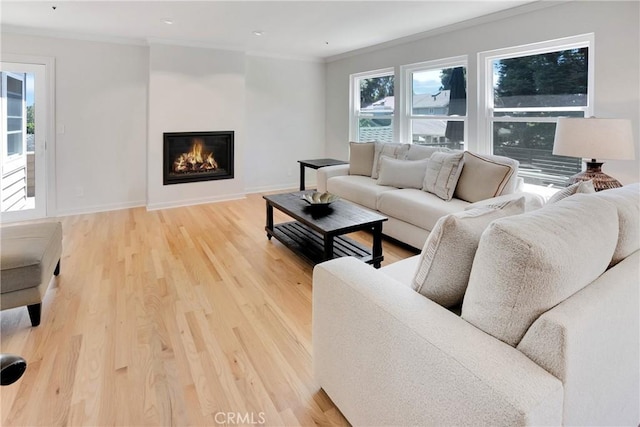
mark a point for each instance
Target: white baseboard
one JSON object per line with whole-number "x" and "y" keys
{"x": 279, "y": 187}
{"x": 192, "y": 202}
{"x": 99, "y": 208}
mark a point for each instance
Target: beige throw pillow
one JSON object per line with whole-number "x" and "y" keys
{"x": 396, "y": 151}
{"x": 361, "y": 158}
{"x": 484, "y": 177}
{"x": 443, "y": 171}
{"x": 526, "y": 264}
{"x": 447, "y": 255}
{"x": 421, "y": 152}
{"x": 401, "y": 173}
{"x": 578, "y": 187}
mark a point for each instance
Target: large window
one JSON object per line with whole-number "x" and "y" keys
{"x": 435, "y": 108}
{"x": 526, "y": 90}
{"x": 372, "y": 106}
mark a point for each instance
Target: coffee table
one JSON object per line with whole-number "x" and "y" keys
{"x": 317, "y": 233}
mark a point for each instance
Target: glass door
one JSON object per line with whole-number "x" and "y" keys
{"x": 22, "y": 155}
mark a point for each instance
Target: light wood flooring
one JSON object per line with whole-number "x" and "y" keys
{"x": 185, "y": 316}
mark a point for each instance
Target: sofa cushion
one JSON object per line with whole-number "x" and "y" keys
{"x": 484, "y": 177}
{"x": 417, "y": 207}
{"x": 361, "y": 158}
{"x": 526, "y": 264}
{"x": 446, "y": 258}
{"x": 401, "y": 173}
{"x": 443, "y": 171}
{"x": 627, "y": 201}
{"x": 579, "y": 187}
{"x": 362, "y": 190}
{"x": 420, "y": 152}
{"x": 397, "y": 151}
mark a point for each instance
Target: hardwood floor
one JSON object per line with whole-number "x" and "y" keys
{"x": 185, "y": 316}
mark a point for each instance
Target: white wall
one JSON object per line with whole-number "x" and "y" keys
{"x": 617, "y": 54}
{"x": 194, "y": 89}
{"x": 115, "y": 101}
{"x": 101, "y": 103}
{"x": 285, "y": 116}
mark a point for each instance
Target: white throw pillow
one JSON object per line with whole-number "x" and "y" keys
{"x": 443, "y": 171}
{"x": 446, "y": 258}
{"x": 421, "y": 152}
{"x": 401, "y": 173}
{"x": 396, "y": 151}
{"x": 361, "y": 158}
{"x": 579, "y": 187}
{"x": 526, "y": 264}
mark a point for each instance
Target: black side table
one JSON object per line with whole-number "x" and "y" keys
{"x": 316, "y": 164}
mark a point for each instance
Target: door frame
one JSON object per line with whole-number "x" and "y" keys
{"x": 50, "y": 209}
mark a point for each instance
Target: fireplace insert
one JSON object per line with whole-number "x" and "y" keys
{"x": 197, "y": 156}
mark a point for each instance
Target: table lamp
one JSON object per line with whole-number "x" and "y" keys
{"x": 594, "y": 138}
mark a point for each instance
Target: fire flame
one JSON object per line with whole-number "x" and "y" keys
{"x": 196, "y": 160}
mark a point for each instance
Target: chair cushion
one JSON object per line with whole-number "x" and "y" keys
{"x": 627, "y": 201}
{"x": 484, "y": 177}
{"x": 29, "y": 254}
{"x": 443, "y": 171}
{"x": 361, "y": 158}
{"x": 402, "y": 173}
{"x": 526, "y": 264}
{"x": 362, "y": 190}
{"x": 446, "y": 259}
{"x": 417, "y": 207}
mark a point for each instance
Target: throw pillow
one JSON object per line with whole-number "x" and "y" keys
{"x": 578, "y": 187}
{"x": 361, "y": 158}
{"x": 447, "y": 256}
{"x": 526, "y": 264}
{"x": 401, "y": 173}
{"x": 397, "y": 151}
{"x": 443, "y": 171}
{"x": 484, "y": 177}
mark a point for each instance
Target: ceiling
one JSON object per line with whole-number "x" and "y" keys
{"x": 303, "y": 29}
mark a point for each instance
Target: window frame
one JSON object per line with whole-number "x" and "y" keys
{"x": 406, "y": 116}
{"x": 354, "y": 100}
{"x": 486, "y": 116}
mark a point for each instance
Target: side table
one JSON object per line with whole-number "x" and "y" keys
{"x": 316, "y": 164}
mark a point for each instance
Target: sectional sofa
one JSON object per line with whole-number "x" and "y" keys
{"x": 399, "y": 181}
{"x": 544, "y": 330}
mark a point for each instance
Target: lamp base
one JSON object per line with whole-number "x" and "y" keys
{"x": 601, "y": 181}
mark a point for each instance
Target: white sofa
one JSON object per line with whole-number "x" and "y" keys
{"x": 413, "y": 212}
{"x": 387, "y": 355}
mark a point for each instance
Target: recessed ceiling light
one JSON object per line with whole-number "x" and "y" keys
{"x": 257, "y": 33}
{"x": 168, "y": 21}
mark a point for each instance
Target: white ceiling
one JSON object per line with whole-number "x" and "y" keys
{"x": 304, "y": 29}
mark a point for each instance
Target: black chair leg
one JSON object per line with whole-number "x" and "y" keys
{"x": 34, "y": 313}
{"x": 57, "y": 270}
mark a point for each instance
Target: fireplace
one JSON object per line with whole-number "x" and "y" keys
{"x": 197, "y": 156}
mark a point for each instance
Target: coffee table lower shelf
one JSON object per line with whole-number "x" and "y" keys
{"x": 310, "y": 244}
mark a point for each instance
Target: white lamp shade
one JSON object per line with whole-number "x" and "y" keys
{"x": 603, "y": 139}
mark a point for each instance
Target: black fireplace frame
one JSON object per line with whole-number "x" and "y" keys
{"x": 168, "y": 179}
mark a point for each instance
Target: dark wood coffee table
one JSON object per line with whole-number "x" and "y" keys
{"x": 317, "y": 233}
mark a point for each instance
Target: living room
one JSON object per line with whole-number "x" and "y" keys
{"x": 114, "y": 99}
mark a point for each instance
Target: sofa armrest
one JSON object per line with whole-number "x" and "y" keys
{"x": 323, "y": 174}
{"x": 386, "y": 355}
{"x": 532, "y": 201}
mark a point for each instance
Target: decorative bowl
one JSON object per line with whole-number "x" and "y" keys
{"x": 319, "y": 199}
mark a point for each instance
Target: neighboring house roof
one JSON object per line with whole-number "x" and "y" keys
{"x": 425, "y": 100}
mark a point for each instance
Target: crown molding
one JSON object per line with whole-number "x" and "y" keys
{"x": 496, "y": 16}
{"x": 39, "y": 32}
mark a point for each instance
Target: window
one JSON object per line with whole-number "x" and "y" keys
{"x": 372, "y": 106}
{"x": 526, "y": 90}
{"x": 435, "y": 103}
